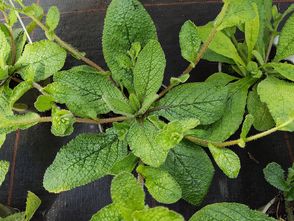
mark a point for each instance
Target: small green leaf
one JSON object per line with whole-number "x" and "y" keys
{"x": 62, "y": 122}
{"x": 15, "y": 217}
{"x": 192, "y": 169}
{"x": 157, "y": 214}
{"x": 52, "y": 18}
{"x": 160, "y": 184}
{"x": 40, "y": 60}
{"x": 284, "y": 69}
{"x": 2, "y": 139}
{"x": 19, "y": 91}
{"x": 285, "y": 46}
{"x": 212, "y": 56}
{"x": 147, "y": 103}
{"x": 20, "y": 40}
{"x": 277, "y": 94}
{"x": 229, "y": 212}
{"x": 275, "y": 175}
{"x": 4, "y": 167}
{"x": 176, "y": 81}
{"x": 118, "y": 105}
{"x": 86, "y": 158}
{"x": 190, "y": 41}
{"x": 32, "y": 204}
{"x": 134, "y": 102}
{"x": 262, "y": 117}
{"x": 12, "y": 18}
{"x": 127, "y": 195}
{"x": 44, "y": 103}
{"x": 149, "y": 70}
{"x": 127, "y": 164}
{"x": 4, "y": 49}
{"x": 108, "y": 213}
{"x": 227, "y": 160}
{"x": 221, "y": 78}
{"x": 247, "y": 124}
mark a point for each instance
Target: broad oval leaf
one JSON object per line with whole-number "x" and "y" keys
{"x": 284, "y": 69}
{"x": 229, "y": 212}
{"x": 86, "y": 158}
{"x": 157, "y": 214}
{"x": 203, "y": 101}
{"x": 52, "y": 18}
{"x": 192, "y": 169}
{"x": 108, "y": 213}
{"x": 275, "y": 175}
{"x": 126, "y": 22}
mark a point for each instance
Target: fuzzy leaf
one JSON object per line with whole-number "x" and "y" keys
{"x": 108, "y": 213}
{"x": 32, "y": 204}
{"x": 141, "y": 138}
{"x": 127, "y": 164}
{"x": 247, "y": 124}
{"x": 284, "y": 69}
{"x": 15, "y": 217}
{"x": 227, "y": 161}
{"x": 119, "y": 105}
{"x": 182, "y": 79}
{"x": 157, "y": 214}
{"x": 41, "y": 60}
{"x": 275, "y": 175}
{"x": 190, "y": 41}
{"x": 252, "y": 31}
{"x": 215, "y": 57}
{"x": 229, "y": 212}
{"x": 149, "y": 70}
{"x": 262, "y": 117}
{"x": 127, "y": 195}
{"x": 4, "y": 49}
{"x": 52, "y": 18}
{"x": 126, "y": 22}
{"x": 62, "y": 122}
{"x": 285, "y": 46}
{"x": 82, "y": 89}
{"x": 86, "y": 158}
{"x": 44, "y": 103}
{"x": 2, "y": 139}
{"x": 277, "y": 94}
{"x": 160, "y": 184}
{"x": 4, "y": 167}
{"x": 192, "y": 169}
{"x": 202, "y": 101}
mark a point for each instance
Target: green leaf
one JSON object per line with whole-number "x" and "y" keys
{"x": 229, "y": 212}
{"x": 127, "y": 164}
{"x": 44, "y": 103}
{"x": 275, "y": 175}
{"x": 160, "y": 184}
{"x": 40, "y": 60}
{"x": 86, "y": 158}
{"x": 52, "y": 18}
{"x": 252, "y": 32}
{"x": 221, "y": 78}
{"x": 142, "y": 141}
{"x": 32, "y": 204}
{"x": 2, "y": 139}
{"x": 126, "y": 22}
{"x": 15, "y": 217}
{"x": 190, "y": 41}
{"x": 262, "y": 117}
{"x": 227, "y": 160}
{"x": 108, "y": 213}
{"x": 62, "y": 122}
{"x": 157, "y": 214}
{"x": 247, "y": 124}
{"x": 176, "y": 81}
{"x": 284, "y": 69}
{"x": 4, "y": 167}
{"x": 149, "y": 70}
{"x": 210, "y": 55}
{"x": 127, "y": 195}
{"x": 4, "y": 49}
{"x": 20, "y": 40}
{"x": 82, "y": 89}
{"x": 277, "y": 94}
{"x": 203, "y": 101}
{"x": 285, "y": 46}
{"x": 234, "y": 13}
{"x": 118, "y": 105}
{"x": 147, "y": 103}
{"x": 221, "y": 44}
{"x": 192, "y": 169}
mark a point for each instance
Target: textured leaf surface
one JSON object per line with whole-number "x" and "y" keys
{"x": 126, "y": 22}
{"x": 52, "y": 18}
{"x": 4, "y": 49}
{"x": 32, "y": 204}
{"x": 229, "y": 212}
{"x": 160, "y": 184}
{"x": 252, "y": 31}
{"x": 82, "y": 90}
{"x": 278, "y": 95}
{"x": 285, "y": 46}
{"x": 262, "y": 117}
{"x": 141, "y": 138}
{"x": 275, "y": 175}
{"x": 108, "y": 213}
{"x": 284, "y": 69}
{"x": 190, "y": 41}
{"x": 86, "y": 158}
{"x": 62, "y": 122}
{"x": 227, "y": 161}
{"x": 149, "y": 70}
{"x": 127, "y": 194}
{"x": 44, "y": 103}
{"x": 40, "y": 60}
{"x": 127, "y": 164}
{"x": 157, "y": 214}
{"x": 4, "y": 167}
{"x": 192, "y": 169}
{"x": 2, "y": 139}
{"x": 247, "y": 124}
{"x": 202, "y": 101}
{"x": 15, "y": 217}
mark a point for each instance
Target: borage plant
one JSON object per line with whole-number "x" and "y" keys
{"x": 157, "y": 134}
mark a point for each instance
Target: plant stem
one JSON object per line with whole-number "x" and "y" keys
{"x": 269, "y": 49}
{"x": 289, "y": 206}
{"x": 205, "y": 143}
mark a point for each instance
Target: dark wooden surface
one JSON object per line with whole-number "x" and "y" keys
{"x": 81, "y": 25}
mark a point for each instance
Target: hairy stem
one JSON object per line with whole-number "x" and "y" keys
{"x": 205, "y": 143}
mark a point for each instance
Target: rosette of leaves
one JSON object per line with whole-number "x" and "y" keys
{"x": 159, "y": 133}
